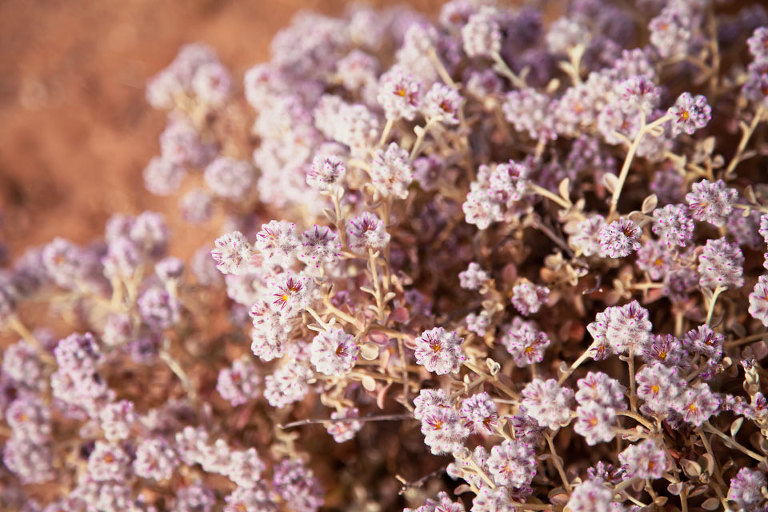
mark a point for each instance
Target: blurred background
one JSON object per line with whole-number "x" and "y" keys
{"x": 75, "y": 129}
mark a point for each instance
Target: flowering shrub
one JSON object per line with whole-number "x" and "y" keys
{"x": 507, "y": 262}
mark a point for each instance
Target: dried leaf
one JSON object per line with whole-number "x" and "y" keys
{"x": 711, "y": 504}
{"x": 369, "y": 351}
{"x": 736, "y": 426}
{"x": 565, "y": 188}
{"x": 675, "y": 488}
{"x": 649, "y": 204}
{"x": 610, "y": 181}
{"x": 368, "y": 382}
{"x": 690, "y": 468}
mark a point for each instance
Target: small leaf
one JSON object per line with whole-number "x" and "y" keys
{"x": 610, "y": 181}
{"x": 368, "y": 382}
{"x": 675, "y": 488}
{"x": 736, "y": 426}
{"x": 690, "y": 468}
{"x": 369, "y": 351}
{"x": 749, "y": 194}
{"x": 711, "y": 504}
{"x": 649, "y": 204}
{"x": 564, "y": 189}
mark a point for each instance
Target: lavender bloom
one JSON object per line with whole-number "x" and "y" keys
{"x": 758, "y": 44}
{"x": 690, "y": 113}
{"x": 478, "y": 324}
{"x": 443, "y": 103}
{"x": 528, "y": 297}
{"x": 525, "y": 342}
{"x": 548, "y": 403}
{"x": 443, "y": 429}
{"x": 155, "y": 459}
{"x": 473, "y": 278}
{"x": 758, "y": 300}
{"x": 621, "y": 328}
{"x": 108, "y": 461}
{"x": 599, "y": 388}
{"x": 638, "y": 93}
{"x": 659, "y": 386}
{"x": 117, "y": 419}
{"x": 644, "y": 460}
{"x": 149, "y": 232}
{"x": 703, "y": 340}
{"x": 169, "y": 269}
{"x": 287, "y": 384}
{"x": 162, "y": 177}
{"x": 512, "y": 464}
{"x": 591, "y": 496}
{"x": 158, "y": 308}
{"x": 30, "y": 460}
{"x": 229, "y": 178}
{"x": 29, "y": 419}
{"x": 439, "y": 351}
{"x": 327, "y": 172}
{"x": 180, "y": 144}
{"x": 492, "y": 500}
{"x": 191, "y": 444}
{"x": 655, "y": 259}
{"x": 530, "y": 111}
{"x": 585, "y": 235}
{"x": 666, "y": 349}
{"x": 399, "y": 95}
{"x": 196, "y": 497}
{"x": 269, "y": 331}
{"x": 711, "y": 201}
{"x": 78, "y": 352}
{"x": 245, "y": 468}
{"x": 479, "y": 413}
{"x": 673, "y": 225}
{"x": 429, "y": 399}
{"x": 256, "y": 499}
{"x": 508, "y": 182}
{"x": 670, "y": 31}
{"x": 64, "y": 262}
{"x": 22, "y": 365}
{"x": 744, "y": 227}
{"x": 745, "y": 489}
{"x": 595, "y": 422}
{"x": 391, "y": 172}
{"x": 333, "y": 352}
{"x": 195, "y": 206}
{"x": 239, "y": 383}
{"x": 696, "y": 404}
{"x": 211, "y": 83}
{"x": 481, "y": 34}
{"x": 619, "y": 238}
{"x": 367, "y": 232}
{"x": 232, "y": 254}
{"x": 297, "y": 485}
{"x": 442, "y": 504}
{"x": 343, "y": 431}
{"x": 320, "y": 245}
{"x": 721, "y": 264}
{"x": 291, "y": 294}
{"x": 277, "y": 242}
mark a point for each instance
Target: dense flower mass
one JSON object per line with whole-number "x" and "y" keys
{"x": 531, "y": 241}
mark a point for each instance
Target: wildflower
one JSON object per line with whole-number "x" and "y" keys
{"x": 525, "y": 342}
{"x": 391, "y": 171}
{"x": 481, "y": 34}
{"x": 158, "y": 308}
{"x": 666, "y": 349}
{"x": 479, "y": 413}
{"x": 595, "y": 422}
{"x": 232, "y": 254}
{"x": 619, "y": 238}
{"x": 673, "y": 225}
{"x": 585, "y": 235}
{"x": 399, "y": 94}
{"x": 703, "y": 340}
{"x": 162, "y": 177}
{"x": 711, "y": 201}
{"x": 473, "y": 277}
{"x": 211, "y": 83}
{"x": 442, "y": 504}
{"x": 117, "y": 419}
{"x": 628, "y": 326}
{"x": 277, "y": 242}
{"x": 291, "y": 294}
{"x": 245, "y": 468}
{"x": 492, "y": 500}
{"x": 655, "y": 259}
{"x": 591, "y": 496}
{"x": 745, "y": 489}
{"x": 670, "y": 31}
{"x": 427, "y": 400}
{"x": 758, "y": 44}
{"x": 239, "y": 383}
{"x": 512, "y": 464}
{"x": 638, "y": 93}
{"x": 367, "y": 231}
{"x": 287, "y": 384}
{"x": 696, "y": 404}
{"x": 196, "y": 206}
{"x": 327, "y": 172}
{"x": 297, "y": 485}
{"x": 108, "y": 461}
{"x": 439, "y": 351}
{"x": 196, "y": 497}
{"x": 659, "y": 386}
{"x": 528, "y": 297}
{"x": 443, "y": 429}
{"x": 251, "y": 499}
{"x": 721, "y": 265}
{"x": 644, "y": 460}
{"x": 229, "y": 178}
{"x": 547, "y": 403}
{"x": 599, "y": 388}
{"x": 333, "y": 352}
{"x": 443, "y": 103}
{"x": 530, "y": 111}
{"x": 758, "y": 300}
{"x": 508, "y": 182}
{"x": 155, "y": 459}
{"x": 320, "y": 245}
{"x": 343, "y": 431}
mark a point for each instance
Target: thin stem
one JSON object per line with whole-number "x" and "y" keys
{"x": 385, "y": 133}
{"x": 549, "y": 195}
{"x": 748, "y": 339}
{"x": 711, "y": 310}
{"x": 733, "y": 443}
{"x": 638, "y": 418}
{"x": 503, "y": 68}
{"x": 632, "y": 385}
{"x": 746, "y": 134}
{"x": 583, "y": 357}
{"x": 18, "y": 326}
{"x": 420, "y": 136}
{"x": 401, "y": 350}
{"x": 372, "y": 257}
{"x": 314, "y": 421}
{"x": 440, "y": 68}
{"x": 177, "y": 370}
{"x": 558, "y": 464}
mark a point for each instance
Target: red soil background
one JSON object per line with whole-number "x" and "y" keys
{"x": 75, "y": 129}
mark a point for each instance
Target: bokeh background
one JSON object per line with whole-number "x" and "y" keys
{"x": 75, "y": 129}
